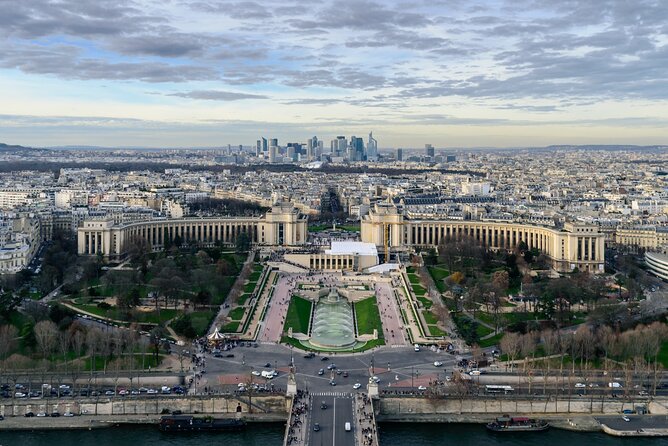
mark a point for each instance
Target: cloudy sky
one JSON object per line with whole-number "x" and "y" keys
{"x": 447, "y": 72}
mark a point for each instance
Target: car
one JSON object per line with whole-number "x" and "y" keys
{"x": 625, "y": 418}
{"x": 324, "y": 358}
{"x": 109, "y": 393}
{"x": 332, "y": 366}
{"x": 29, "y": 414}
{"x": 123, "y": 392}
{"x": 339, "y": 371}
{"x": 135, "y": 392}
{"x": 438, "y": 364}
{"x": 229, "y": 355}
{"x": 375, "y": 379}
{"x": 316, "y": 427}
{"x": 628, "y": 411}
{"x": 347, "y": 426}
{"x": 357, "y": 386}
{"x": 580, "y": 385}
{"x": 422, "y": 388}
{"x": 55, "y": 414}
{"x": 68, "y": 414}
{"x": 321, "y": 372}
{"x": 143, "y": 390}
{"x": 268, "y": 364}
{"x": 323, "y": 405}
{"x": 151, "y": 392}
{"x": 474, "y": 373}
{"x": 255, "y": 373}
{"x": 309, "y": 355}
{"x": 593, "y": 385}
{"x": 643, "y": 393}
{"x": 345, "y": 374}
{"x": 42, "y": 414}
{"x": 332, "y": 383}
{"x": 1, "y": 418}
{"x": 95, "y": 393}
{"x": 416, "y": 348}
{"x": 20, "y": 395}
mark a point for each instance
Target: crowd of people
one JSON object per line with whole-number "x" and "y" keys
{"x": 297, "y": 429}
{"x": 365, "y": 420}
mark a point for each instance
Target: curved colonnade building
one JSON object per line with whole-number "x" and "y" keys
{"x": 657, "y": 264}
{"x": 575, "y": 246}
{"x": 284, "y": 225}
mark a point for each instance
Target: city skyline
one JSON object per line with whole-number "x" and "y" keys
{"x": 451, "y": 74}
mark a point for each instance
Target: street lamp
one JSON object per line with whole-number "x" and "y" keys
{"x": 373, "y": 371}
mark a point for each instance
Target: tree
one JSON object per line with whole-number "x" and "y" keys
{"x": 8, "y": 337}
{"x": 500, "y": 282}
{"x": 242, "y": 242}
{"x": 45, "y": 334}
{"x": 510, "y": 345}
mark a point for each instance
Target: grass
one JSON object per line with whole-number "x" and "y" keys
{"x": 410, "y": 270}
{"x": 255, "y": 276}
{"x": 438, "y": 273}
{"x": 368, "y": 317}
{"x": 662, "y": 357}
{"x": 414, "y": 279}
{"x": 435, "y": 331}
{"x": 237, "y": 313}
{"x": 299, "y": 315}
{"x": 349, "y": 228}
{"x": 429, "y": 317}
{"x": 483, "y": 331}
{"x": 426, "y": 303}
{"x": 419, "y": 290}
{"x": 201, "y": 320}
{"x": 494, "y": 340}
{"x": 250, "y": 287}
{"x": 230, "y": 327}
{"x": 243, "y": 298}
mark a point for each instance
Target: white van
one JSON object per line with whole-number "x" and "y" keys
{"x": 416, "y": 348}
{"x": 347, "y": 426}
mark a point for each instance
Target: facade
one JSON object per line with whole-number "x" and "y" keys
{"x": 20, "y": 238}
{"x": 657, "y": 264}
{"x": 341, "y": 256}
{"x": 575, "y": 246}
{"x": 642, "y": 237}
{"x": 284, "y": 225}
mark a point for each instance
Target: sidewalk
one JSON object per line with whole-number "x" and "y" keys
{"x": 366, "y": 432}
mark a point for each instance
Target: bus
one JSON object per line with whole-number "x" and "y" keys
{"x": 499, "y": 389}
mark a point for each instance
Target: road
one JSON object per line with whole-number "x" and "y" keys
{"x": 331, "y": 420}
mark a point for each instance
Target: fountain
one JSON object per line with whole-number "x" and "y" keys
{"x": 333, "y": 324}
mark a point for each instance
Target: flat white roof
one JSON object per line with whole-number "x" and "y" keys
{"x": 359, "y": 248}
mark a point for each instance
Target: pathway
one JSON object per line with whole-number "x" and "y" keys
{"x": 393, "y": 329}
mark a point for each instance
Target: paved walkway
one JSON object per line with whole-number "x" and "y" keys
{"x": 393, "y": 327}
{"x": 366, "y": 432}
{"x": 278, "y": 308}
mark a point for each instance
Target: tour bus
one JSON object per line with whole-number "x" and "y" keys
{"x": 498, "y": 389}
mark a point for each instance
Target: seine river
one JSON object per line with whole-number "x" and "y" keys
{"x": 272, "y": 435}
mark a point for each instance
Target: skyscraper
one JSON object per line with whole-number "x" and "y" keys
{"x": 429, "y": 150}
{"x": 343, "y": 145}
{"x": 372, "y": 148}
{"x": 400, "y": 154}
{"x": 264, "y": 145}
{"x": 274, "y": 142}
{"x": 258, "y": 148}
{"x": 357, "y": 145}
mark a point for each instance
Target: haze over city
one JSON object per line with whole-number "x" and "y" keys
{"x": 450, "y": 73}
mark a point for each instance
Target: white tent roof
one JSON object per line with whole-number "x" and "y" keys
{"x": 215, "y": 336}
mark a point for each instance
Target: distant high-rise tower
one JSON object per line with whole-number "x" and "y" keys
{"x": 273, "y": 153}
{"x": 264, "y": 145}
{"x": 311, "y": 146}
{"x": 372, "y": 148}
{"x": 343, "y": 145}
{"x": 429, "y": 150}
{"x": 258, "y": 148}
{"x": 400, "y": 154}
{"x": 358, "y": 148}
{"x": 273, "y": 142}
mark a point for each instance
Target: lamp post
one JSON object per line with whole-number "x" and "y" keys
{"x": 373, "y": 370}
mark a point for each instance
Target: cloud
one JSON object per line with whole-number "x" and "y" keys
{"x": 217, "y": 95}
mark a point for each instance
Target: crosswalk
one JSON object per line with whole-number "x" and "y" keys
{"x": 337, "y": 394}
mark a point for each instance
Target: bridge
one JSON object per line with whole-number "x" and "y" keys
{"x": 331, "y": 419}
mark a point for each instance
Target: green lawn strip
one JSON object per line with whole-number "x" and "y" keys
{"x": 483, "y": 331}
{"x": 299, "y": 314}
{"x": 437, "y": 273}
{"x": 662, "y": 357}
{"x": 410, "y": 270}
{"x": 237, "y": 313}
{"x": 250, "y": 287}
{"x": 349, "y": 228}
{"x": 494, "y": 340}
{"x": 255, "y": 276}
{"x": 426, "y": 303}
{"x": 429, "y": 317}
{"x": 414, "y": 279}
{"x": 435, "y": 331}
{"x": 243, "y": 298}
{"x": 368, "y": 317}
{"x": 230, "y": 327}
{"x": 419, "y": 290}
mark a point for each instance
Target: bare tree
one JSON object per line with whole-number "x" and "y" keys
{"x": 8, "y": 336}
{"x": 45, "y": 335}
{"x": 510, "y": 345}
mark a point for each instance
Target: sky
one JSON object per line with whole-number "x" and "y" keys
{"x": 453, "y": 73}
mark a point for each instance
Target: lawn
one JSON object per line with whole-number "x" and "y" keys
{"x": 483, "y": 331}
{"x": 230, "y": 327}
{"x": 435, "y": 331}
{"x": 237, "y": 313}
{"x": 201, "y": 320}
{"x": 299, "y": 315}
{"x": 410, "y": 270}
{"x": 368, "y": 317}
{"x": 437, "y": 273}
{"x": 243, "y": 298}
{"x": 429, "y": 317}
{"x": 494, "y": 340}
{"x": 255, "y": 276}
{"x": 663, "y": 354}
{"x": 426, "y": 303}
{"x": 414, "y": 279}
{"x": 250, "y": 287}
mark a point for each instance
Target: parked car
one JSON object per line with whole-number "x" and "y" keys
{"x": 422, "y": 388}
{"x": 625, "y": 418}
{"x": 29, "y": 414}
{"x": 357, "y": 386}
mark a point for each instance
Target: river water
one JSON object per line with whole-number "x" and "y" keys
{"x": 272, "y": 435}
